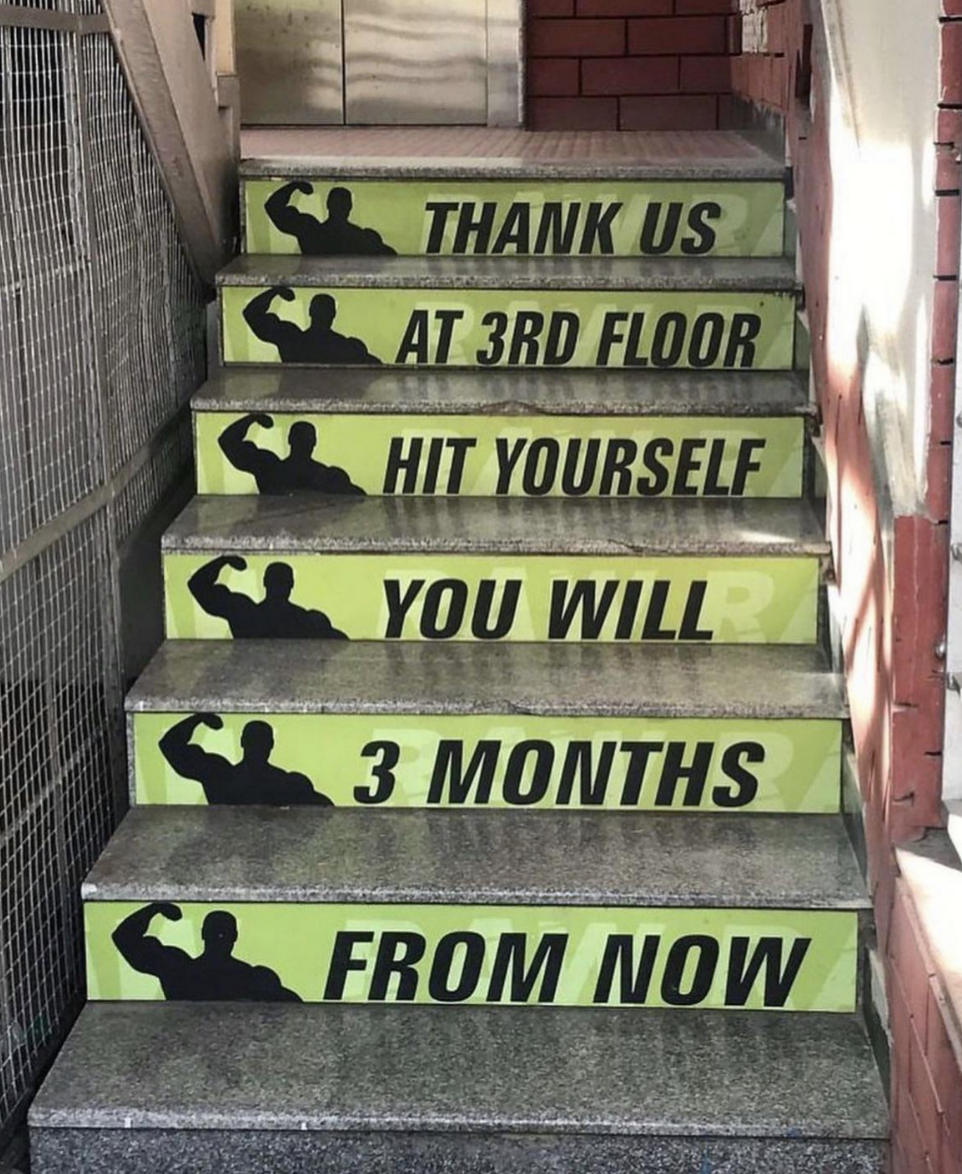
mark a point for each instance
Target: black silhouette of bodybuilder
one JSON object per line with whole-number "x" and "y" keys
{"x": 278, "y": 475}
{"x": 275, "y": 617}
{"x": 319, "y": 343}
{"x": 252, "y": 780}
{"x": 215, "y": 975}
{"x": 334, "y": 237}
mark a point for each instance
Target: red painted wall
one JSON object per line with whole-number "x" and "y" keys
{"x": 628, "y": 64}
{"x": 891, "y": 633}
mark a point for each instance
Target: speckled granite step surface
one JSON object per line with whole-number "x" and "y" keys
{"x": 688, "y": 527}
{"x": 180, "y": 1089}
{"x": 422, "y": 152}
{"x": 561, "y": 680}
{"x": 761, "y": 274}
{"x": 466, "y": 392}
{"x": 492, "y": 857}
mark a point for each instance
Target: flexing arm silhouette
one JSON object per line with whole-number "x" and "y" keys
{"x": 242, "y": 453}
{"x": 287, "y": 218}
{"x": 264, "y": 322}
{"x": 192, "y": 762}
{"x": 214, "y": 597}
{"x": 145, "y": 954}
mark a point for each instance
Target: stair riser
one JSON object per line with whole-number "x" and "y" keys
{"x": 513, "y": 761}
{"x": 444, "y": 217}
{"x": 518, "y": 328}
{"x": 494, "y": 456}
{"x": 205, "y": 1151}
{"x": 498, "y": 597}
{"x": 733, "y": 959}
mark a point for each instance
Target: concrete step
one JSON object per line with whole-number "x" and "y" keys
{"x": 705, "y": 314}
{"x": 488, "y": 433}
{"x": 492, "y": 569}
{"x": 452, "y": 907}
{"x": 667, "y": 729}
{"x": 321, "y": 209}
{"x": 164, "y": 1089}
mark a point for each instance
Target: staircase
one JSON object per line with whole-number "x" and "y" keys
{"x": 486, "y": 792}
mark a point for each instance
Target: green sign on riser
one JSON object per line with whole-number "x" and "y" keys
{"x": 365, "y": 217}
{"x": 744, "y": 959}
{"x": 640, "y": 330}
{"x": 580, "y": 598}
{"x": 496, "y": 456}
{"x": 502, "y": 761}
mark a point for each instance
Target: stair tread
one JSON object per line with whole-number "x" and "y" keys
{"x": 504, "y": 153}
{"x": 574, "y": 858}
{"x": 458, "y": 678}
{"x": 548, "y": 526}
{"x": 485, "y": 1070}
{"x": 463, "y": 392}
{"x": 756, "y": 274}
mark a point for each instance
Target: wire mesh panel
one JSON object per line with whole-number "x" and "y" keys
{"x": 101, "y": 344}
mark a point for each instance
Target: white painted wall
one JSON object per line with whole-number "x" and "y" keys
{"x": 886, "y": 76}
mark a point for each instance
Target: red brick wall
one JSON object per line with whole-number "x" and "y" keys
{"x": 628, "y": 64}
{"x": 894, "y": 613}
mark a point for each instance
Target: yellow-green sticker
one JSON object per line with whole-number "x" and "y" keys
{"x": 509, "y": 328}
{"x": 769, "y": 600}
{"x": 509, "y": 761}
{"x": 499, "y": 456}
{"x": 695, "y": 218}
{"x": 745, "y": 959}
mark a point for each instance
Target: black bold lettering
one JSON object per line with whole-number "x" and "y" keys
{"x": 743, "y": 971}
{"x": 653, "y": 458}
{"x": 447, "y": 596}
{"x": 639, "y": 755}
{"x": 611, "y": 333}
{"x": 449, "y": 772}
{"x": 459, "y": 446}
{"x": 741, "y": 341}
{"x": 619, "y": 457}
{"x": 417, "y": 335}
{"x": 706, "y": 340}
{"x": 655, "y": 243}
{"x": 556, "y": 230}
{"x": 482, "y": 625}
{"x": 570, "y": 600}
{"x": 746, "y": 463}
{"x": 619, "y": 959}
{"x": 528, "y": 325}
{"x": 562, "y": 340}
{"x": 598, "y": 228}
{"x": 689, "y": 629}
{"x": 404, "y": 456}
{"x": 655, "y": 613}
{"x": 389, "y": 754}
{"x": 576, "y": 482}
{"x": 544, "y": 452}
{"x": 706, "y": 963}
{"x": 471, "y": 946}
{"x": 516, "y": 792}
{"x": 628, "y": 613}
{"x": 479, "y": 228}
{"x": 687, "y": 464}
{"x": 705, "y": 236}
{"x": 746, "y": 784}
{"x": 447, "y": 318}
{"x": 592, "y": 781}
{"x": 515, "y": 231}
{"x": 439, "y": 220}
{"x": 510, "y": 968}
{"x": 675, "y": 769}
{"x": 397, "y": 955}
{"x": 497, "y": 320}
{"x": 669, "y": 340}
{"x": 343, "y": 960}
{"x": 507, "y": 461}
{"x": 399, "y": 605}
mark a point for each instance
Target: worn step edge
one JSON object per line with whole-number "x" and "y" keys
{"x": 458, "y": 678}
{"x": 586, "y": 392}
{"x": 408, "y": 856}
{"x": 718, "y": 275}
{"x": 605, "y": 527}
{"x": 399, "y": 1070}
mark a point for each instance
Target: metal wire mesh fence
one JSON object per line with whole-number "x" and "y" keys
{"x": 101, "y": 344}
